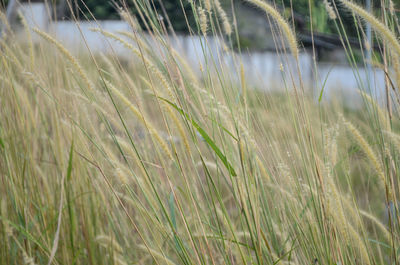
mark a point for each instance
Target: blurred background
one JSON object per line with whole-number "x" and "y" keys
{"x": 323, "y": 59}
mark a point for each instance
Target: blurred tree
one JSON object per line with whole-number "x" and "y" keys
{"x": 106, "y": 9}
{"x": 100, "y": 9}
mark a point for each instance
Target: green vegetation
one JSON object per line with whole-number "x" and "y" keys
{"x": 105, "y": 9}
{"x": 139, "y": 160}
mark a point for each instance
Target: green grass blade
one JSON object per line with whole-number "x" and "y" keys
{"x": 205, "y": 136}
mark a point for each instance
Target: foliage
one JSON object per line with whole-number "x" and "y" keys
{"x": 105, "y": 9}
{"x": 161, "y": 161}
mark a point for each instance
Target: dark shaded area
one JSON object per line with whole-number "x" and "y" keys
{"x": 255, "y": 31}
{"x": 106, "y": 9}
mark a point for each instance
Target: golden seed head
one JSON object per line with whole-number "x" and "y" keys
{"x": 329, "y": 9}
{"x": 391, "y": 8}
{"x": 283, "y": 24}
{"x": 386, "y": 34}
{"x": 203, "y": 20}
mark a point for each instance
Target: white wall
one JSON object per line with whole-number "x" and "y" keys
{"x": 36, "y": 15}
{"x": 262, "y": 69}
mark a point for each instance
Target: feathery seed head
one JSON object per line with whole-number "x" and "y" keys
{"x": 386, "y": 34}
{"x": 226, "y": 25}
{"x": 329, "y": 9}
{"x": 283, "y": 24}
{"x": 67, "y": 55}
{"x": 203, "y": 20}
{"x": 391, "y": 7}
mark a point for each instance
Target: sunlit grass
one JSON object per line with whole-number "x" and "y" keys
{"x": 145, "y": 162}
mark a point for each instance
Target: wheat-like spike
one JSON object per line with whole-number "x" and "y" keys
{"x": 5, "y": 80}
{"x": 153, "y": 132}
{"x": 207, "y": 5}
{"x": 120, "y": 172}
{"x": 118, "y": 260}
{"x": 179, "y": 127}
{"x": 98, "y": 106}
{"x": 122, "y": 97}
{"x": 151, "y": 66}
{"x": 128, "y": 147}
{"x": 140, "y": 42}
{"x": 29, "y": 36}
{"x": 67, "y": 55}
{"x": 334, "y": 146}
{"x": 286, "y": 176}
{"x": 208, "y": 164}
{"x": 242, "y": 150}
{"x": 352, "y": 211}
{"x": 335, "y": 209}
{"x": 163, "y": 81}
{"x": 131, "y": 20}
{"x": 8, "y": 231}
{"x": 329, "y": 10}
{"x": 115, "y": 37}
{"x": 10, "y": 54}
{"x": 338, "y": 205}
{"x": 185, "y": 65}
{"x": 378, "y": 224}
{"x": 368, "y": 151}
{"x": 127, "y": 34}
{"x": 156, "y": 254}
{"x": 108, "y": 241}
{"x": 225, "y": 221}
{"x": 391, "y": 8}
{"x": 178, "y": 124}
{"x": 284, "y": 193}
{"x": 327, "y": 141}
{"x": 281, "y": 234}
{"x": 359, "y": 243}
{"x": 283, "y": 24}
{"x": 4, "y": 21}
{"x": 221, "y": 110}
{"x": 348, "y": 232}
{"x": 121, "y": 75}
{"x": 126, "y": 44}
{"x": 203, "y": 20}
{"x": 395, "y": 139}
{"x": 263, "y": 171}
{"x": 224, "y": 18}
{"x": 386, "y": 34}
{"x": 110, "y": 67}
{"x": 28, "y": 260}
{"x": 21, "y": 93}
{"x": 396, "y": 66}
{"x": 382, "y": 116}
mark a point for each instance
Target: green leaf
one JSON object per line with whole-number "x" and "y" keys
{"x": 27, "y": 235}
{"x": 171, "y": 203}
{"x": 323, "y": 85}
{"x": 205, "y": 136}
{"x": 69, "y": 169}
{"x": 71, "y": 214}
{"x": 223, "y": 128}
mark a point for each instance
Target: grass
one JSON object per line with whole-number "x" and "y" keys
{"x": 145, "y": 162}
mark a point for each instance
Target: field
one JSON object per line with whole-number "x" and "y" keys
{"x": 141, "y": 160}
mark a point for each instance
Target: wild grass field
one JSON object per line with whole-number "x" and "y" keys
{"x": 140, "y": 160}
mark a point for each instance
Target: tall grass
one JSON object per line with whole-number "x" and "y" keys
{"x": 143, "y": 161}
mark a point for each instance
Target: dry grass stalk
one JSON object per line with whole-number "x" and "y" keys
{"x": 68, "y": 56}
{"x": 282, "y": 23}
